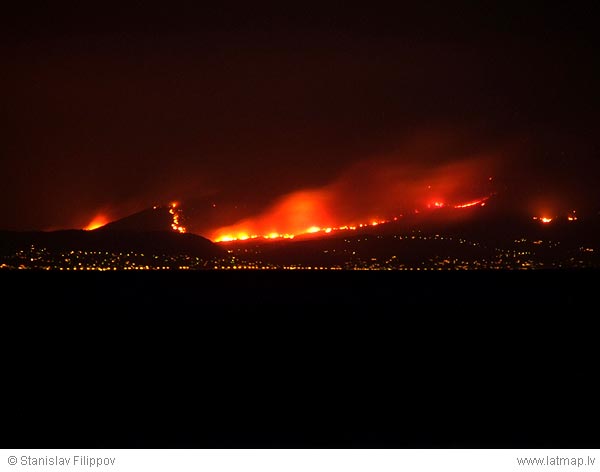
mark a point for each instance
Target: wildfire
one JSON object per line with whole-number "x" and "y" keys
{"x": 245, "y": 235}
{"x": 367, "y": 194}
{"x": 543, "y": 219}
{"x": 480, "y": 202}
{"x": 176, "y": 224}
{"x": 97, "y": 222}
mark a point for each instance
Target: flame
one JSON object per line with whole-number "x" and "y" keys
{"x": 242, "y": 236}
{"x": 367, "y": 194}
{"x": 173, "y": 208}
{"x": 174, "y": 211}
{"x": 97, "y": 222}
{"x": 480, "y": 202}
{"x": 543, "y": 219}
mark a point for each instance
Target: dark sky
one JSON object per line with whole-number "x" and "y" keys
{"x": 114, "y": 107}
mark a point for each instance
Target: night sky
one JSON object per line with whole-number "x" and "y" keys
{"x": 115, "y": 107}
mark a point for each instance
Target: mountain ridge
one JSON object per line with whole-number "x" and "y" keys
{"x": 151, "y": 230}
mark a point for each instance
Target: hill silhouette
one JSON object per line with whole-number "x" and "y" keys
{"x": 148, "y": 231}
{"x": 149, "y": 220}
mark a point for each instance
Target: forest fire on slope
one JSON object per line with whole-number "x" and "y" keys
{"x": 367, "y": 195}
{"x": 242, "y": 236}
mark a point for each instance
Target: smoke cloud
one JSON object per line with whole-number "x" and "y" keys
{"x": 372, "y": 191}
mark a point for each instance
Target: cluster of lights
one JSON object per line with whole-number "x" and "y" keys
{"x": 243, "y": 236}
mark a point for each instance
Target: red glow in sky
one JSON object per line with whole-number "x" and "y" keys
{"x": 367, "y": 194}
{"x": 233, "y": 234}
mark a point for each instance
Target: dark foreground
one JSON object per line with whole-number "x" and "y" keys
{"x": 292, "y": 359}
{"x": 191, "y": 293}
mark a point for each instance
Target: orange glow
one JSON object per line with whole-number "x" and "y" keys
{"x": 480, "y": 202}
{"x": 543, "y": 219}
{"x": 97, "y": 222}
{"x": 242, "y": 235}
{"x": 176, "y": 225}
{"x": 365, "y": 195}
